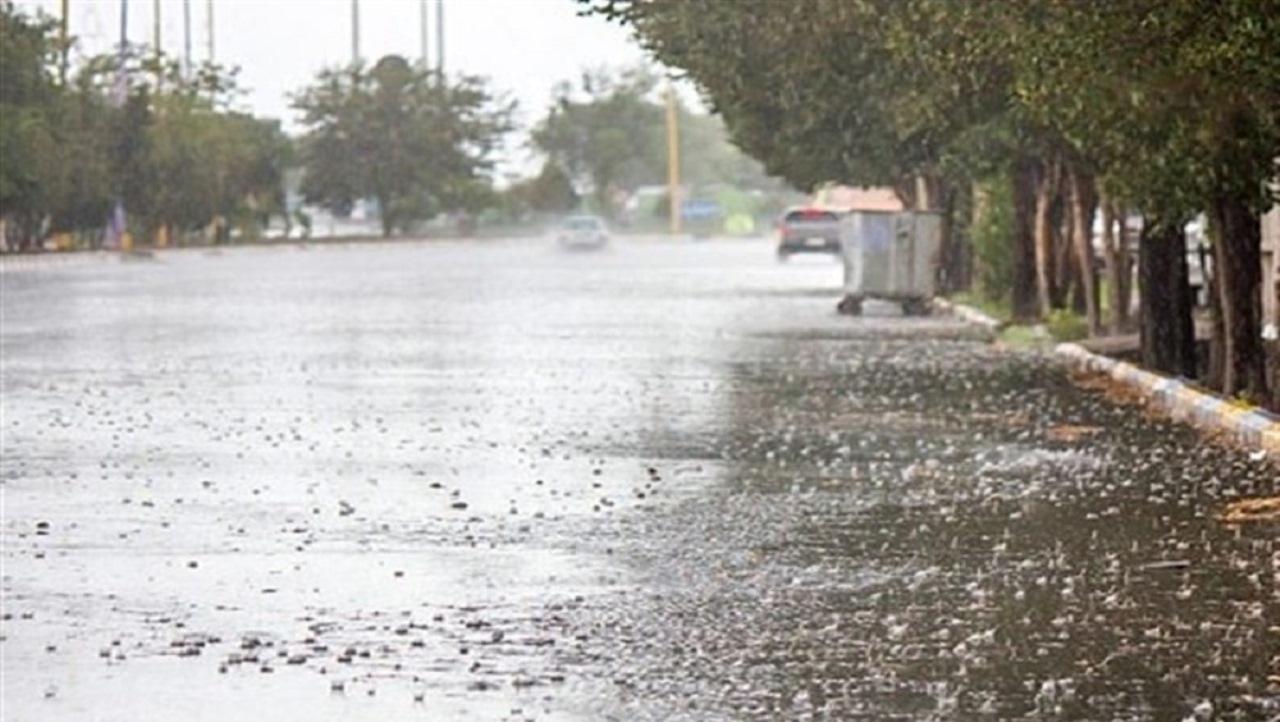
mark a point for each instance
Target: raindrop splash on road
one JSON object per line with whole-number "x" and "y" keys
{"x": 665, "y": 481}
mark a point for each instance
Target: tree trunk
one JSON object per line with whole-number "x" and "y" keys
{"x": 1043, "y": 234}
{"x": 1119, "y": 266}
{"x": 1110, "y": 254}
{"x": 933, "y": 193}
{"x": 385, "y": 216}
{"x": 1217, "y": 329}
{"x": 907, "y": 190}
{"x": 1083, "y": 204}
{"x": 1066, "y": 277}
{"x": 1167, "y": 329}
{"x": 1126, "y": 265}
{"x": 1024, "y": 247}
{"x": 959, "y": 218}
{"x": 1237, "y": 263}
{"x": 951, "y": 274}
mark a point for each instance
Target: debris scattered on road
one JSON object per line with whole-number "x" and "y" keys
{"x": 1256, "y": 509}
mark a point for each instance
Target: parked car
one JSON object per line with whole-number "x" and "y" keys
{"x": 808, "y": 230}
{"x": 583, "y": 233}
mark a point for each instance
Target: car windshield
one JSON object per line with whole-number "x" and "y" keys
{"x": 583, "y": 223}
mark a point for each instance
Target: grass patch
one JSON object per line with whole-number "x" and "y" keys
{"x": 1025, "y": 336}
{"x": 1065, "y": 326}
{"x": 999, "y": 310}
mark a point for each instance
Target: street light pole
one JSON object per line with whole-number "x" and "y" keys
{"x": 64, "y": 41}
{"x": 440, "y": 40}
{"x": 156, "y": 49}
{"x": 423, "y": 12}
{"x": 186, "y": 39}
{"x": 355, "y": 31}
{"x": 210, "y": 30}
{"x": 119, "y": 219}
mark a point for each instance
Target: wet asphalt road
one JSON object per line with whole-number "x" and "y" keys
{"x": 664, "y": 482}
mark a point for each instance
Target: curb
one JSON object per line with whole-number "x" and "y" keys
{"x": 966, "y": 313}
{"x": 51, "y": 259}
{"x": 1182, "y": 401}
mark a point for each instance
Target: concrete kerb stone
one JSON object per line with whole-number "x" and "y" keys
{"x": 1254, "y": 428}
{"x": 1184, "y": 403}
{"x": 968, "y": 314}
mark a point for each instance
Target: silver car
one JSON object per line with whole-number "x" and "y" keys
{"x": 583, "y": 233}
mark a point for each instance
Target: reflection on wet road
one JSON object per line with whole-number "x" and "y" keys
{"x": 663, "y": 482}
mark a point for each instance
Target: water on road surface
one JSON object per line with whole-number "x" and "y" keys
{"x": 497, "y": 481}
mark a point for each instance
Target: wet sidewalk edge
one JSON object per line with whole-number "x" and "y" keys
{"x": 1181, "y": 400}
{"x": 1251, "y": 427}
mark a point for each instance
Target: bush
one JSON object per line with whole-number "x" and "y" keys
{"x": 1066, "y": 326}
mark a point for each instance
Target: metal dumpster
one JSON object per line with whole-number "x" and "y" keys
{"x": 890, "y": 256}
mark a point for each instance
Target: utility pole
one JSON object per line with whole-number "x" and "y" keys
{"x": 673, "y": 158}
{"x": 119, "y": 220}
{"x": 355, "y": 31}
{"x": 208, "y": 14}
{"x": 186, "y": 39}
{"x": 162, "y": 233}
{"x": 122, "y": 55}
{"x": 155, "y": 42}
{"x": 64, "y": 41}
{"x": 423, "y": 12}
{"x": 440, "y": 40}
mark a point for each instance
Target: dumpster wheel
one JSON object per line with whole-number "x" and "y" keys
{"x": 849, "y": 306}
{"x": 915, "y": 307}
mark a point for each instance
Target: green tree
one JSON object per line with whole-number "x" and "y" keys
{"x": 28, "y": 93}
{"x": 1164, "y": 106}
{"x": 606, "y": 133}
{"x": 1172, "y": 105}
{"x": 609, "y": 133}
{"x": 397, "y": 134}
{"x": 829, "y": 90}
{"x": 168, "y": 145}
{"x": 551, "y": 191}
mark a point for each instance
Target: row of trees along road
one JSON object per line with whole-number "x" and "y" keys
{"x": 171, "y": 147}
{"x": 419, "y": 144}
{"x": 1054, "y": 108}
{"x": 164, "y": 143}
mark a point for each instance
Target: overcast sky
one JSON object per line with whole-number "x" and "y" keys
{"x": 523, "y": 46}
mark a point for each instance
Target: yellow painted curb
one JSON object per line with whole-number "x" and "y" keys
{"x": 1229, "y": 416}
{"x": 1271, "y": 438}
{"x": 1185, "y": 404}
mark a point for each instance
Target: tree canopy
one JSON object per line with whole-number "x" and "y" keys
{"x": 608, "y": 132}
{"x": 400, "y": 135}
{"x": 165, "y": 144}
{"x": 1167, "y": 107}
